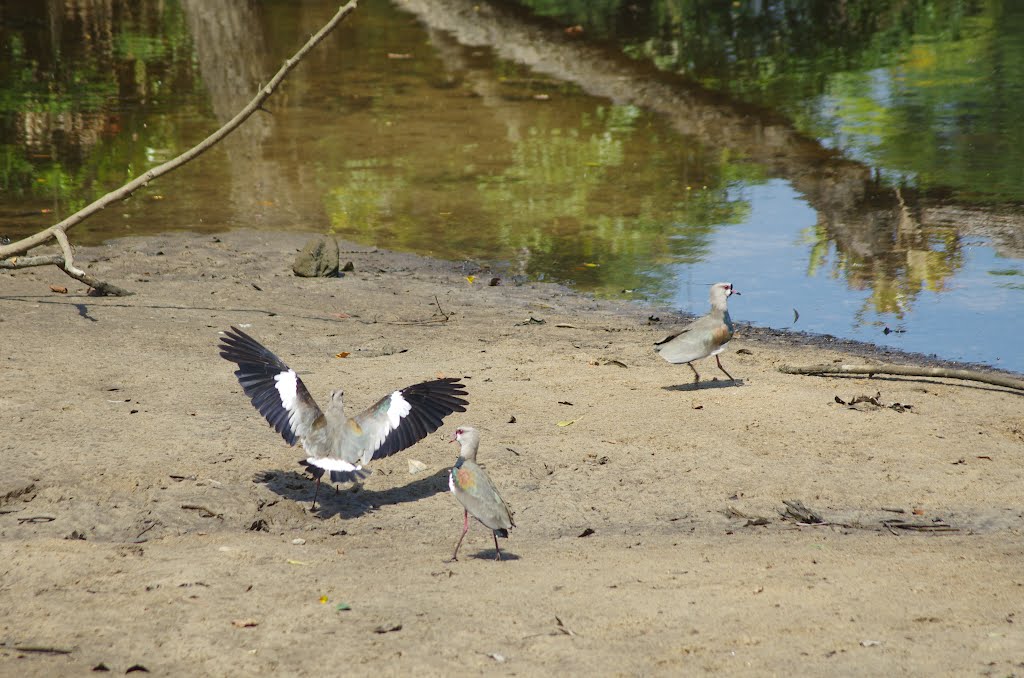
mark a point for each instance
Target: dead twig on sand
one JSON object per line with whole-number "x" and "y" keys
{"x": 42, "y": 650}
{"x": 203, "y": 511}
{"x": 439, "y": 317}
{"x": 65, "y": 261}
{"x": 796, "y": 511}
{"x": 907, "y": 371}
{"x": 897, "y": 524}
{"x": 37, "y": 519}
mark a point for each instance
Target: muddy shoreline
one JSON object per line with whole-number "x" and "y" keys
{"x": 150, "y": 517}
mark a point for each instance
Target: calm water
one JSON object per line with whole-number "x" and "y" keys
{"x": 863, "y": 168}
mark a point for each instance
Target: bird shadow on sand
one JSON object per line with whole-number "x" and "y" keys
{"x": 488, "y": 554}
{"x": 705, "y": 385}
{"x": 347, "y": 503}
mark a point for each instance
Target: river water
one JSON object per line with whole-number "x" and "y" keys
{"x": 856, "y": 174}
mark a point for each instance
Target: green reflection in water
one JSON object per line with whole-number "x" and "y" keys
{"x": 91, "y": 101}
{"x": 925, "y": 90}
{"x": 597, "y": 199}
{"x": 911, "y": 265}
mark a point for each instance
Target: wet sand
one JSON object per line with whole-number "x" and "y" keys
{"x": 150, "y": 517}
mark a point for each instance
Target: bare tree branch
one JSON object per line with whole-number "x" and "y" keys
{"x": 907, "y": 371}
{"x": 26, "y": 262}
{"x": 58, "y": 231}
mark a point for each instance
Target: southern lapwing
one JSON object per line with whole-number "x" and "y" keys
{"x": 475, "y": 491}
{"x": 703, "y": 337}
{"x": 333, "y": 441}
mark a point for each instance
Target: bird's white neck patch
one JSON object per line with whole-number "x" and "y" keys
{"x": 397, "y": 408}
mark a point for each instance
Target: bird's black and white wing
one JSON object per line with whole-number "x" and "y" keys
{"x": 274, "y": 388}
{"x": 404, "y": 417}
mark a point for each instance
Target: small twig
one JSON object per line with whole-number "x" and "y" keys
{"x": 428, "y": 321}
{"x": 37, "y": 519}
{"x": 42, "y": 650}
{"x": 906, "y": 371}
{"x": 148, "y": 528}
{"x": 432, "y": 320}
{"x": 563, "y": 628}
{"x": 919, "y": 527}
{"x": 203, "y": 510}
{"x": 440, "y": 310}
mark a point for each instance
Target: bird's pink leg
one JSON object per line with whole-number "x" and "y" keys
{"x": 496, "y": 549}
{"x": 696, "y": 374}
{"x": 718, "y": 360}
{"x": 315, "y": 493}
{"x": 465, "y": 529}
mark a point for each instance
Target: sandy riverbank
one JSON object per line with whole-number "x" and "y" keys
{"x": 122, "y": 425}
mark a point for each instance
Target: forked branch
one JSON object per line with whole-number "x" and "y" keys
{"x": 9, "y": 253}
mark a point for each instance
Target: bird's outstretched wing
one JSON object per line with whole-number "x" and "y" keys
{"x": 404, "y": 417}
{"x": 274, "y": 388}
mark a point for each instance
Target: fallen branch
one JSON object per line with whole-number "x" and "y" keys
{"x": 918, "y": 527}
{"x": 9, "y": 253}
{"x": 40, "y": 649}
{"x": 907, "y": 371}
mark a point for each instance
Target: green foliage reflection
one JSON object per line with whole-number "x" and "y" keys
{"x": 924, "y": 92}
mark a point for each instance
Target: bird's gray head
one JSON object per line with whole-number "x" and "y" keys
{"x": 337, "y": 404}
{"x": 720, "y": 292}
{"x": 469, "y": 438}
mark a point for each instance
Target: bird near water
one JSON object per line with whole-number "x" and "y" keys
{"x": 334, "y": 442}
{"x": 473, "y": 488}
{"x": 705, "y": 336}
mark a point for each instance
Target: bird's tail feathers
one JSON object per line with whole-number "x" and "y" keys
{"x": 312, "y": 470}
{"x": 349, "y": 476}
{"x": 336, "y": 476}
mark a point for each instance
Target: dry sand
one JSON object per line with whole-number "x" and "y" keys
{"x": 137, "y": 476}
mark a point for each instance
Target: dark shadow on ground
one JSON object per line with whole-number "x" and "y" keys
{"x": 488, "y": 554}
{"x": 349, "y": 501}
{"x": 705, "y": 385}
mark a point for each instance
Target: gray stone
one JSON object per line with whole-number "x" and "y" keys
{"x": 318, "y": 259}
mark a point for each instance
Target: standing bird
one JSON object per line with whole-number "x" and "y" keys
{"x": 703, "y": 337}
{"x": 333, "y": 441}
{"x": 475, "y": 491}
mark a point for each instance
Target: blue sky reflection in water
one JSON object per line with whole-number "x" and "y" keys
{"x": 767, "y": 258}
{"x": 405, "y": 131}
